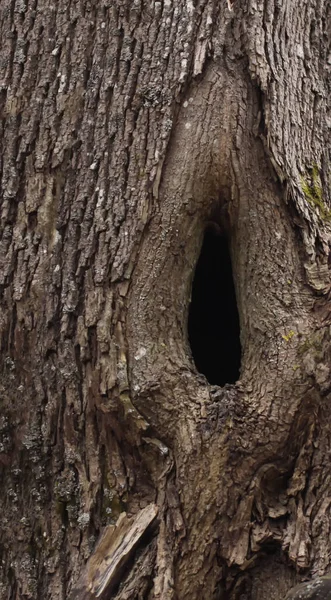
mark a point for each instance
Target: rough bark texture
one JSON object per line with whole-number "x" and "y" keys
{"x": 126, "y": 127}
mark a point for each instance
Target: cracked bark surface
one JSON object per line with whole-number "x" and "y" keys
{"x": 127, "y": 127}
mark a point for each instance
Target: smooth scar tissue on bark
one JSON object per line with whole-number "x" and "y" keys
{"x": 132, "y": 131}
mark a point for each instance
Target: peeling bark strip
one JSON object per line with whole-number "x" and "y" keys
{"x": 105, "y": 566}
{"x": 126, "y": 128}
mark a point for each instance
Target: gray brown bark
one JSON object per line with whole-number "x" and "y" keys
{"x": 126, "y": 127}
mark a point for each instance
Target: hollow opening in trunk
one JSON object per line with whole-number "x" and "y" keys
{"x": 213, "y": 323}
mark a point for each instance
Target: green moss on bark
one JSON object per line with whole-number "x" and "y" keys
{"x": 312, "y": 189}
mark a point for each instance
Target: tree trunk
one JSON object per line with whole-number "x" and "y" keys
{"x": 129, "y": 127}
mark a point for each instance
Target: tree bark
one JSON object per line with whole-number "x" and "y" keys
{"x": 127, "y": 127}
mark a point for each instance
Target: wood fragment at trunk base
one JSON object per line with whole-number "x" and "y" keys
{"x": 105, "y": 566}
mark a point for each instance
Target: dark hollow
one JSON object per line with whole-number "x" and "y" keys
{"x": 213, "y": 323}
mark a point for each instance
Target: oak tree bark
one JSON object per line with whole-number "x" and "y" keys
{"x": 127, "y": 127}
